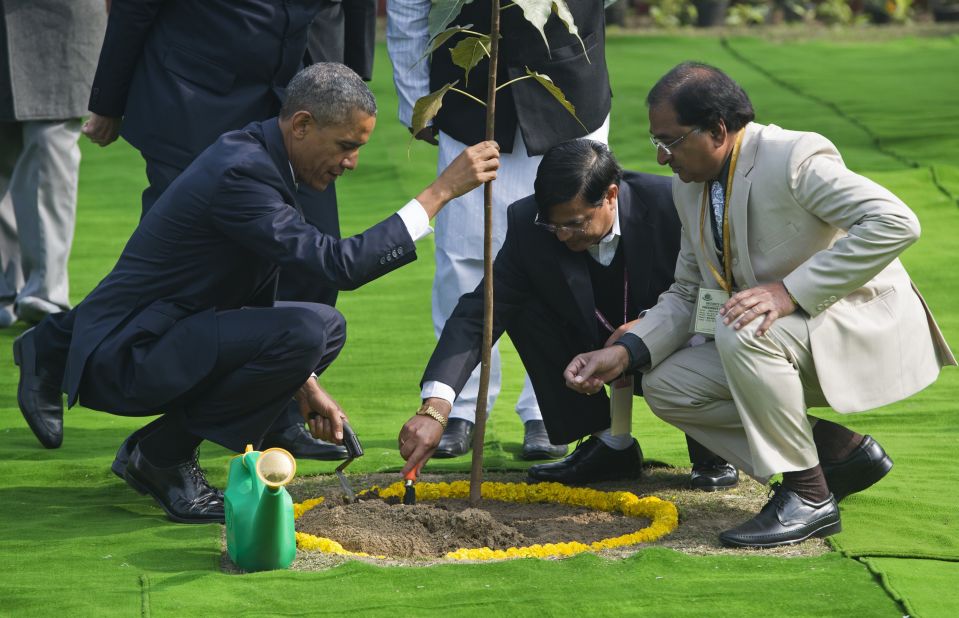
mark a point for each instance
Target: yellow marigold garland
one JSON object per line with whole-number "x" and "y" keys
{"x": 663, "y": 515}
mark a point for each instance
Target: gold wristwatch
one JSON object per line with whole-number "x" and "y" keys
{"x": 428, "y": 410}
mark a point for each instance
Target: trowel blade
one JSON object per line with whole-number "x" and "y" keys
{"x": 345, "y": 484}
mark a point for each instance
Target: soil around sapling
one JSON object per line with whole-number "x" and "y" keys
{"x": 422, "y": 534}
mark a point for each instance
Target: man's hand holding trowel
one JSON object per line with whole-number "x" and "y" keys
{"x": 421, "y": 434}
{"x": 321, "y": 413}
{"x": 327, "y": 421}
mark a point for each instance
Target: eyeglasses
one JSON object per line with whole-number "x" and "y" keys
{"x": 580, "y": 228}
{"x": 666, "y": 147}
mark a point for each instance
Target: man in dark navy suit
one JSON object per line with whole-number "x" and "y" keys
{"x": 186, "y": 325}
{"x": 174, "y": 75}
{"x": 584, "y": 256}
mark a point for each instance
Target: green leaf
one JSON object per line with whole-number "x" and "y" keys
{"x": 537, "y": 12}
{"x": 468, "y": 53}
{"x": 554, "y": 90}
{"x": 442, "y": 13}
{"x": 562, "y": 10}
{"x": 441, "y": 38}
{"x": 426, "y": 108}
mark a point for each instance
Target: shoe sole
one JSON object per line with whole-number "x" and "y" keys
{"x": 581, "y": 483}
{"x": 447, "y": 455}
{"x": 712, "y": 488}
{"x": 119, "y": 468}
{"x": 539, "y": 455}
{"x": 37, "y": 431}
{"x": 823, "y": 531}
{"x": 144, "y": 490}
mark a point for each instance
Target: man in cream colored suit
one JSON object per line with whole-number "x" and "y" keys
{"x": 797, "y": 286}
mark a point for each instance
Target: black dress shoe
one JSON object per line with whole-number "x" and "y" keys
{"x": 867, "y": 464}
{"x": 536, "y": 444}
{"x": 181, "y": 490}
{"x": 787, "y": 518}
{"x": 457, "y": 439}
{"x": 592, "y": 462}
{"x": 713, "y": 476}
{"x": 119, "y": 465}
{"x": 38, "y": 396}
{"x": 298, "y": 441}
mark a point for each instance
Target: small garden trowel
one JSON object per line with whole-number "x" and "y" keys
{"x": 353, "y": 450}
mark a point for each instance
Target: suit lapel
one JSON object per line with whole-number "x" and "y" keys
{"x": 636, "y": 242}
{"x": 575, "y": 274}
{"x": 738, "y": 206}
{"x": 273, "y": 139}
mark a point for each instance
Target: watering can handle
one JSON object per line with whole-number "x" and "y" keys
{"x": 353, "y": 447}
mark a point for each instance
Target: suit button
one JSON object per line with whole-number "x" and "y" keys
{"x": 389, "y": 258}
{"x": 735, "y": 261}
{"x": 832, "y": 299}
{"x": 819, "y": 307}
{"x": 382, "y": 260}
{"x": 395, "y": 254}
{"x": 400, "y": 250}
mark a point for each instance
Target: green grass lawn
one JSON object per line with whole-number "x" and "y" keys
{"x": 76, "y": 540}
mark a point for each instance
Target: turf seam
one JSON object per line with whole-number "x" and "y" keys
{"x": 833, "y": 107}
{"x": 891, "y": 590}
{"x": 144, "y": 596}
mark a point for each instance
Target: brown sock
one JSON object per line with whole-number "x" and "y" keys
{"x": 809, "y": 484}
{"x": 833, "y": 441}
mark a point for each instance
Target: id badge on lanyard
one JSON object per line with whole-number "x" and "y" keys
{"x": 711, "y": 300}
{"x": 621, "y": 389}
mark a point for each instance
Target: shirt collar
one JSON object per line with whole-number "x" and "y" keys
{"x": 613, "y": 233}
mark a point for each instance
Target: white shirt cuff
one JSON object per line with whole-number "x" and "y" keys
{"x": 439, "y": 390}
{"x": 415, "y": 219}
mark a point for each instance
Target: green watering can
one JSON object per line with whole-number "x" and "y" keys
{"x": 260, "y": 534}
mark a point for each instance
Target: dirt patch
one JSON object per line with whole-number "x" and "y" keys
{"x": 702, "y": 516}
{"x": 430, "y": 530}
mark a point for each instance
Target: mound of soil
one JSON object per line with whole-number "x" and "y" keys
{"x": 430, "y": 530}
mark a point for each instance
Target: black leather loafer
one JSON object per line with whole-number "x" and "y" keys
{"x": 536, "y": 444}
{"x": 39, "y": 397}
{"x": 713, "y": 476}
{"x": 181, "y": 490}
{"x": 298, "y": 441}
{"x": 867, "y": 464}
{"x": 457, "y": 439}
{"x": 591, "y": 462}
{"x": 786, "y": 519}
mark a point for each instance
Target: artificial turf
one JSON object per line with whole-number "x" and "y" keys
{"x": 74, "y": 538}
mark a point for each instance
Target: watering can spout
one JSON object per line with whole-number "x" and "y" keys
{"x": 260, "y": 531}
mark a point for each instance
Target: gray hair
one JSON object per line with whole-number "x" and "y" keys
{"x": 330, "y": 91}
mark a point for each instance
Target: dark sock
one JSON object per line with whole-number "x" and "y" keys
{"x": 700, "y": 455}
{"x": 809, "y": 484}
{"x": 146, "y": 430}
{"x": 833, "y": 441}
{"x": 169, "y": 443}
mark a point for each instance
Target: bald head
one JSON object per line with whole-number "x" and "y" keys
{"x": 702, "y": 95}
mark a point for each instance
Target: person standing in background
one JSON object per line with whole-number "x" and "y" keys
{"x": 48, "y": 53}
{"x": 528, "y": 122}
